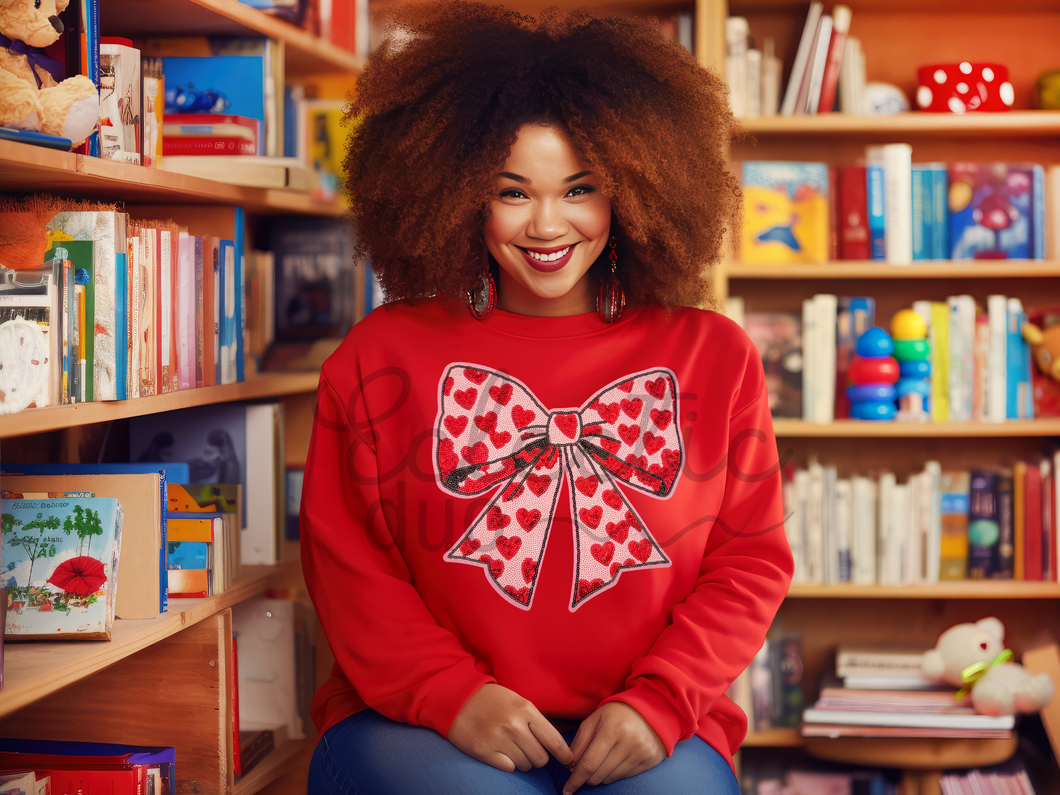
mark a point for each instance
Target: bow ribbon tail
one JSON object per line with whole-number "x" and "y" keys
{"x": 508, "y": 538}
{"x": 976, "y": 671}
{"x": 609, "y": 536}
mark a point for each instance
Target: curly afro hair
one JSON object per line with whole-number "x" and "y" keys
{"x": 440, "y": 104}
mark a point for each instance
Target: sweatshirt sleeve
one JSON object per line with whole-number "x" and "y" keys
{"x": 743, "y": 578}
{"x": 389, "y": 646}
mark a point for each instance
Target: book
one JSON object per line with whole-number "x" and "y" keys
{"x": 997, "y": 361}
{"x": 267, "y": 681}
{"x": 961, "y": 358}
{"x": 955, "y": 719}
{"x": 778, "y": 338}
{"x": 30, "y": 333}
{"x": 252, "y": 171}
{"x": 118, "y": 769}
{"x": 785, "y": 212}
{"x": 876, "y": 202}
{"x": 938, "y": 322}
{"x": 953, "y": 545}
{"x": 1006, "y": 548}
{"x": 120, "y": 111}
{"x": 896, "y": 160}
{"x": 36, "y": 139}
{"x": 810, "y": 92}
{"x": 183, "y": 130}
{"x": 61, "y": 567}
{"x": 854, "y": 242}
{"x": 1019, "y": 402}
{"x": 1032, "y": 513}
{"x": 991, "y": 211}
{"x": 786, "y": 668}
{"x": 984, "y": 531}
{"x": 841, "y": 16}
{"x": 802, "y": 59}
{"x": 863, "y": 532}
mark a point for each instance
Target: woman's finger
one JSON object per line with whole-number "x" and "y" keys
{"x": 584, "y": 736}
{"x": 499, "y": 760}
{"x": 615, "y": 757}
{"x": 512, "y": 750}
{"x": 589, "y": 762}
{"x": 531, "y": 747}
{"x": 551, "y": 740}
{"x": 629, "y": 767}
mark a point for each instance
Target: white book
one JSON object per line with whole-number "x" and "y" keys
{"x": 824, "y": 358}
{"x": 802, "y": 59}
{"x": 1052, "y": 213}
{"x": 797, "y": 537}
{"x": 916, "y": 537}
{"x": 900, "y": 534}
{"x": 828, "y": 525}
{"x": 771, "y": 69}
{"x": 818, "y": 64}
{"x": 753, "y": 98}
{"x": 898, "y": 202}
{"x": 736, "y": 31}
{"x": 815, "y": 524}
{"x": 847, "y": 76}
{"x": 965, "y": 719}
{"x": 809, "y": 351}
{"x": 885, "y": 554}
{"x": 844, "y": 518}
{"x": 880, "y": 682}
{"x": 996, "y": 394}
{"x": 933, "y": 473}
{"x": 861, "y": 79}
{"x": 962, "y": 356}
{"x": 863, "y": 533}
{"x": 260, "y": 539}
{"x": 362, "y": 32}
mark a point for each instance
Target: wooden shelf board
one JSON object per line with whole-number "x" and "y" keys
{"x": 902, "y": 6}
{"x": 33, "y": 670}
{"x": 53, "y": 418}
{"x": 305, "y": 53}
{"x": 859, "y": 269}
{"x": 37, "y": 169}
{"x": 855, "y": 429}
{"x": 773, "y": 738}
{"x": 970, "y": 589}
{"x": 1014, "y": 124}
{"x": 272, "y": 766}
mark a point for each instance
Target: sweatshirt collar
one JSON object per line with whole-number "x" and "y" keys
{"x": 554, "y": 327}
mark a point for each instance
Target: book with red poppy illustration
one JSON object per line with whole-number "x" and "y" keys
{"x": 60, "y": 567}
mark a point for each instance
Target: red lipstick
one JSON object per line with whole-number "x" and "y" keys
{"x": 547, "y": 267}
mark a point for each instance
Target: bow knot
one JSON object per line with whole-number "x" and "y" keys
{"x": 491, "y": 430}
{"x": 36, "y": 57}
{"x": 976, "y": 671}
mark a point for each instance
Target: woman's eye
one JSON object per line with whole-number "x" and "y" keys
{"x": 581, "y": 190}
{"x": 512, "y": 193}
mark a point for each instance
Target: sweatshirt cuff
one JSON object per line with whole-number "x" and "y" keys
{"x": 656, "y": 709}
{"x": 449, "y": 692}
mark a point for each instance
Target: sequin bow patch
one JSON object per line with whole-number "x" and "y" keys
{"x": 492, "y": 431}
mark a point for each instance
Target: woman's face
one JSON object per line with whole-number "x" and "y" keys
{"x": 548, "y": 222}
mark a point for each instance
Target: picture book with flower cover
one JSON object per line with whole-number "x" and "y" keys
{"x": 60, "y": 567}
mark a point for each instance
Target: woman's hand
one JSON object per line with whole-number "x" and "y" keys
{"x": 613, "y": 743}
{"x": 501, "y": 728}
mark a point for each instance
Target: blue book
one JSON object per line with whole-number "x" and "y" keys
{"x": 991, "y": 211}
{"x": 241, "y": 295}
{"x": 226, "y": 362}
{"x": 940, "y": 186}
{"x": 188, "y": 554}
{"x": 874, "y": 176}
{"x": 923, "y": 213}
{"x": 984, "y": 529}
{"x": 36, "y": 139}
{"x": 1038, "y": 210}
{"x": 121, "y": 331}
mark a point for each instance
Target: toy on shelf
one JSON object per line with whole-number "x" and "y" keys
{"x": 33, "y": 94}
{"x": 973, "y": 657}
{"x": 872, "y": 375}
{"x": 1047, "y": 92}
{"x": 913, "y": 352}
{"x": 964, "y": 87}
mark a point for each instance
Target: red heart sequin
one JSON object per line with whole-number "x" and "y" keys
{"x": 500, "y": 438}
{"x": 652, "y": 443}
{"x": 528, "y": 519}
{"x": 487, "y": 422}
{"x": 609, "y": 411}
{"x": 661, "y": 418}
{"x": 613, "y": 498}
{"x": 497, "y": 519}
{"x": 538, "y": 483}
{"x": 476, "y": 453}
{"x": 610, "y": 445}
{"x": 502, "y": 394}
{"x": 585, "y": 587}
{"x": 619, "y": 531}
{"x": 629, "y": 433}
{"x": 447, "y": 387}
{"x": 656, "y": 388}
{"x": 529, "y": 569}
{"x": 632, "y": 408}
{"x": 603, "y": 552}
{"x": 567, "y": 424}
{"x": 508, "y": 546}
{"x": 455, "y": 425}
{"x": 616, "y": 566}
{"x": 587, "y": 486}
{"x": 637, "y": 460}
{"x": 521, "y": 595}
{"x": 447, "y": 458}
{"x": 496, "y": 565}
{"x": 624, "y": 471}
{"x": 475, "y": 376}
{"x": 513, "y": 491}
{"x": 549, "y": 459}
{"x": 626, "y": 386}
{"x": 591, "y": 516}
{"x": 522, "y": 417}
{"x": 469, "y": 547}
{"x": 641, "y": 550}
{"x": 465, "y": 398}
{"x": 632, "y": 520}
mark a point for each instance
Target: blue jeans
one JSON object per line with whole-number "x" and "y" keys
{"x": 367, "y": 754}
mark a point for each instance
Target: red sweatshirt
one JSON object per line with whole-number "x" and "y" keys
{"x": 579, "y": 512}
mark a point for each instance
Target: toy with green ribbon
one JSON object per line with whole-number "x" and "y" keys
{"x": 976, "y": 671}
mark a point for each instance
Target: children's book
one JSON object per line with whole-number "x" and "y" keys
{"x": 991, "y": 211}
{"x": 120, "y": 118}
{"x": 80, "y": 301}
{"x": 61, "y": 567}
{"x": 984, "y": 530}
{"x": 778, "y": 338}
{"x": 786, "y": 212}
{"x": 953, "y": 546}
{"x": 29, "y": 337}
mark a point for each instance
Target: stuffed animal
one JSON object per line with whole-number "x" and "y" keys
{"x": 31, "y": 96}
{"x": 975, "y": 655}
{"x": 1045, "y": 348}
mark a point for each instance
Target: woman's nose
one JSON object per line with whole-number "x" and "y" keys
{"x": 547, "y": 222}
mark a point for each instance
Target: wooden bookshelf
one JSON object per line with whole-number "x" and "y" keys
{"x": 773, "y": 738}
{"x": 856, "y": 429}
{"x": 25, "y": 168}
{"x": 1015, "y": 124}
{"x": 52, "y": 418}
{"x": 965, "y": 589}
{"x": 274, "y": 765}
{"x": 874, "y": 269}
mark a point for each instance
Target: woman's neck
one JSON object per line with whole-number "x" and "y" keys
{"x": 514, "y": 297}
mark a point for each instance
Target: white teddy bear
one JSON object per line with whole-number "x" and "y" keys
{"x": 998, "y": 687}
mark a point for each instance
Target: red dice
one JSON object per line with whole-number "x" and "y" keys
{"x": 964, "y": 87}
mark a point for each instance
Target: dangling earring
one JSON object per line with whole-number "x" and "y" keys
{"x": 612, "y": 299}
{"x": 483, "y": 298}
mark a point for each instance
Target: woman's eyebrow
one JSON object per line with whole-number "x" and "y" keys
{"x": 514, "y": 177}
{"x": 579, "y": 175}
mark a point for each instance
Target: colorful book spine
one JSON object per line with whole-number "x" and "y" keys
{"x": 1006, "y": 547}
{"x": 1019, "y": 520}
{"x": 876, "y": 211}
{"x": 984, "y": 532}
{"x": 923, "y": 212}
{"x": 940, "y": 186}
{"x": 1038, "y": 213}
{"x": 854, "y": 241}
{"x": 940, "y": 361}
{"x": 1018, "y": 397}
{"x": 1032, "y": 512}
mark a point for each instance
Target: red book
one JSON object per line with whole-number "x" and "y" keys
{"x": 1032, "y": 517}
{"x": 1049, "y": 536}
{"x": 854, "y": 239}
{"x": 840, "y": 27}
{"x": 208, "y": 145}
{"x": 99, "y": 782}
{"x": 834, "y": 214}
{"x": 237, "y": 757}
{"x": 344, "y": 23}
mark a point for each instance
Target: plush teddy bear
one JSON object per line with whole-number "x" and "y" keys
{"x": 31, "y": 98}
{"x": 998, "y": 687}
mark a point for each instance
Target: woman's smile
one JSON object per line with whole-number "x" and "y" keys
{"x": 548, "y": 260}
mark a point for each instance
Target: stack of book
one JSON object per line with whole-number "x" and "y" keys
{"x": 894, "y": 700}
{"x": 31, "y": 766}
{"x": 827, "y": 74}
{"x": 769, "y": 690}
{"x": 204, "y": 526}
{"x": 815, "y": 778}
{"x": 893, "y": 210}
{"x": 1008, "y": 779}
{"x": 980, "y": 366}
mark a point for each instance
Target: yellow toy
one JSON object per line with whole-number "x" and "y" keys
{"x": 30, "y": 97}
{"x": 1045, "y": 348}
{"x": 907, "y": 324}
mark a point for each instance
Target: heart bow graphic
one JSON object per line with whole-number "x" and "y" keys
{"x": 491, "y": 430}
